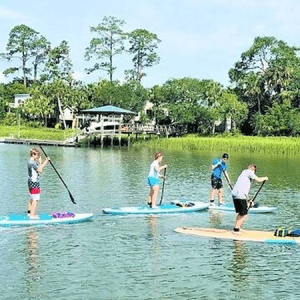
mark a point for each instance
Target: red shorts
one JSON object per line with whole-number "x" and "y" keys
{"x": 35, "y": 193}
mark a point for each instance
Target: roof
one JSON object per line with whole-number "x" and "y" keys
{"x": 109, "y": 109}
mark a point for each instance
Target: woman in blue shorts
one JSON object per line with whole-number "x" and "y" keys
{"x": 153, "y": 179}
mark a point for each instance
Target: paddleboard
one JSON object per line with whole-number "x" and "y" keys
{"x": 245, "y": 235}
{"x": 164, "y": 208}
{"x": 24, "y": 220}
{"x": 253, "y": 210}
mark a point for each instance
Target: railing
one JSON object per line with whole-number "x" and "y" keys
{"x": 155, "y": 129}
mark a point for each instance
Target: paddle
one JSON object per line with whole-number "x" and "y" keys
{"x": 72, "y": 198}
{"x": 253, "y": 199}
{"x": 162, "y": 191}
{"x": 227, "y": 180}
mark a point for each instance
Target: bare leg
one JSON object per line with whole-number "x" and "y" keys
{"x": 220, "y": 195}
{"x": 212, "y": 194}
{"x": 239, "y": 220}
{"x": 150, "y": 196}
{"x": 154, "y": 197}
{"x": 33, "y": 208}
{"x": 29, "y": 206}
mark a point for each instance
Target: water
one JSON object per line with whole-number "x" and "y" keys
{"x": 141, "y": 257}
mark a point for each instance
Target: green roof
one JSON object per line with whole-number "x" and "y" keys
{"x": 109, "y": 109}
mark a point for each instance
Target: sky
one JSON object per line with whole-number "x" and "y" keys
{"x": 199, "y": 38}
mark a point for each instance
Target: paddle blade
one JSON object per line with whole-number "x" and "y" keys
{"x": 72, "y": 198}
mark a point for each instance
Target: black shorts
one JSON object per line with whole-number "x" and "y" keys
{"x": 241, "y": 206}
{"x": 216, "y": 183}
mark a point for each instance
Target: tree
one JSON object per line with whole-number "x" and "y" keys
{"x": 189, "y": 100}
{"x": 109, "y": 44}
{"x": 59, "y": 64}
{"x": 142, "y": 46}
{"x": 230, "y": 108}
{"x": 40, "y": 50}
{"x": 20, "y": 45}
{"x": 281, "y": 119}
{"x": 130, "y": 95}
{"x": 265, "y": 72}
{"x": 38, "y": 105}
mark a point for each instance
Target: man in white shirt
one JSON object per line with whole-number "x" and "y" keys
{"x": 240, "y": 194}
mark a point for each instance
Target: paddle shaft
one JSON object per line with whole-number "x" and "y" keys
{"x": 71, "y": 197}
{"x": 257, "y": 193}
{"x": 163, "y": 187}
{"x": 258, "y": 190}
{"x": 227, "y": 180}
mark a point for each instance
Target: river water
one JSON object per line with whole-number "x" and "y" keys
{"x": 141, "y": 257}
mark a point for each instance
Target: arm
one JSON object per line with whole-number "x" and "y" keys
{"x": 216, "y": 165}
{"x": 162, "y": 167}
{"x": 41, "y": 166}
{"x": 261, "y": 179}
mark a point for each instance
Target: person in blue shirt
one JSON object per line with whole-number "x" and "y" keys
{"x": 218, "y": 167}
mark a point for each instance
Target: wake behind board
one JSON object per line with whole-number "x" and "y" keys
{"x": 253, "y": 210}
{"x": 245, "y": 235}
{"x": 24, "y": 220}
{"x": 164, "y": 208}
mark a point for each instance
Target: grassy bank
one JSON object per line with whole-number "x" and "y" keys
{"x": 35, "y": 133}
{"x": 264, "y": 145}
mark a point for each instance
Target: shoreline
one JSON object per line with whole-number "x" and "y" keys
{"x": 5, "y": 140}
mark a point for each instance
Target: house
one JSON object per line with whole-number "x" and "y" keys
{"x": 69, "y": 117}
{"x": 19, "y": 99}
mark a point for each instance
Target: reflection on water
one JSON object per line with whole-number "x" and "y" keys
{"x": 33, "y": 275}
{"x": 215, "y": 218}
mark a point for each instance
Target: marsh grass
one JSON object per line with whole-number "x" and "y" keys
{"x": 36, "y": 133}
{"x": 263, "y": 145}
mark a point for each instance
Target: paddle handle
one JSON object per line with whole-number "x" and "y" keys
{"x": 72, "y": 198}
{"x": 163, "y": 187}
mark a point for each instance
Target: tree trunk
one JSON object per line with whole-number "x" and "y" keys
{"x": 60, "y": 111}
{"x": 35, "y": 72}
{"x": 24, "y": 69}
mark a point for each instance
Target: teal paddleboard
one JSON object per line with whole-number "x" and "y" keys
{"x": 24, "y": 220}
{"x": 253, "y": 210}
{"x": 163, "y": 209}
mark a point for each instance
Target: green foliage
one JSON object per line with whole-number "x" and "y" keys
{"x": 26, "y": 132}
{"x": 130, "y": 95}
{"x": 266, "y": 73}
{"x": 20, "y": 45}
{"x": 142, "y": 46}
{"x": 109, "y": 44}
{"x": 59, "y": 64}
{"x": 38, "y": 105}
{"x": 226, "y": 143}
{"x": 281, "y": 119}
{"x": 228, "y": 106}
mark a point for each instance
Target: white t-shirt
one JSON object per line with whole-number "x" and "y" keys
{"x": 242, "y": 187}
{"x": 154, "y": 170}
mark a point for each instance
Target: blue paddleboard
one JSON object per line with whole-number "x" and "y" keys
{"x": 24, "y": 220}
{"x": 164, "y": 208}
{"x": 253, "y": 210}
